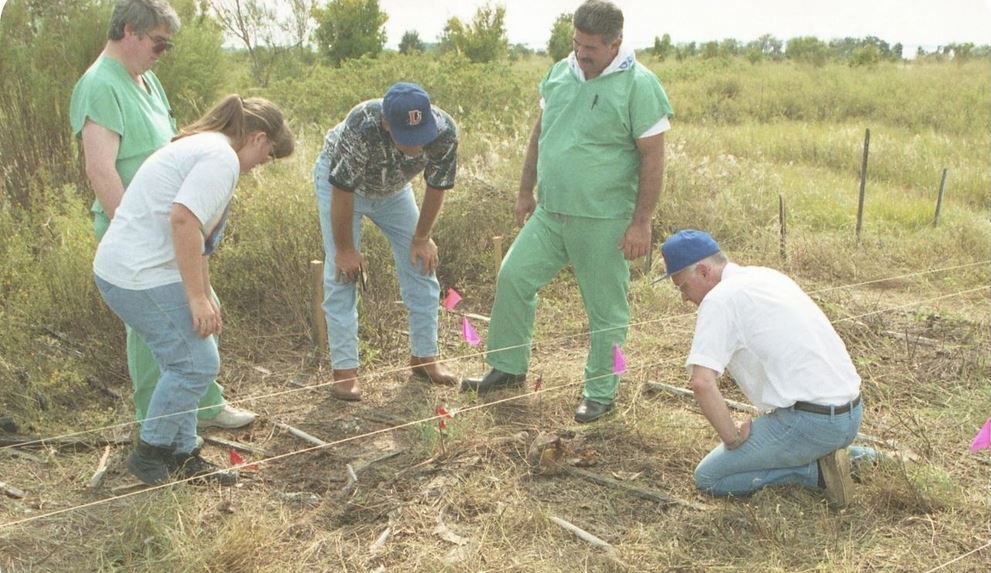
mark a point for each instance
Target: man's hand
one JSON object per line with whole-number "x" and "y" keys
{"x": 525, "y": 205}
{"x": 424, "y": 248}
{"x": 348, "y": 264}
{"x": 741, "y": 436}
{"x": 206, "y": 318}
{"x": 636, "y": 240}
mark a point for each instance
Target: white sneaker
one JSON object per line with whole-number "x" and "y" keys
{"x": 229, "y": 418}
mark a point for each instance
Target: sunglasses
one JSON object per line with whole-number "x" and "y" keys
{"x": 160, "y": 44}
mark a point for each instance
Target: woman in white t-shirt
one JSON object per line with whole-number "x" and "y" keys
{"x": 152, "y": 268}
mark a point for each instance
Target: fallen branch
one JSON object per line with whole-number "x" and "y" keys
{"x": 662, "y": 387}
{"x": 584, "y": 535}
{"x": 642, "y": 493}
{"x": 11, "y": 491}
{"x": 101, "y": 469}
{"x": 129, "y": 487}
{"x": 379, "y": 542}
{"x": 302, "y": 435}
{"x": 59, "y": 443}
{"x": 912, "y": 338}
{"x": 241, "y": 447}
{"x": 352, "y": 482}
{"x": 16, "y": 453}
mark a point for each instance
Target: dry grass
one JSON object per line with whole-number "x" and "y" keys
{"x": 470, "y": 502}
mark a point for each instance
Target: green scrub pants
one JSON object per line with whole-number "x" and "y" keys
{"x": 548, "y": 243}
{"x": 143, "y": 368}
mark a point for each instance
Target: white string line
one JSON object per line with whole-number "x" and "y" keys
{"x": 314, "y": 448}
{"x": 965, "y": 555}
{"x": 399, "y": 370}
{"x": 393, "y": 428}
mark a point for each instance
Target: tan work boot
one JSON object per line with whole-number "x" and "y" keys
{"x": 835, "y": 468}
{"x": 432, "y": 370}
{"x": 345, "y": 386}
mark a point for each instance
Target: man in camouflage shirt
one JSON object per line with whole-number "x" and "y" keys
{"x": 364, "y": 170}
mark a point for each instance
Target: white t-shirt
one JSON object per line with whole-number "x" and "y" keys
{"x": 200, "y": 172}
{"x": 774, "y": 340}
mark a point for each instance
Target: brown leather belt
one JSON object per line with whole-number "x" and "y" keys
{"x": 827, "y": 410}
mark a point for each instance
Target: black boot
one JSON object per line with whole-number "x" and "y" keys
{"x": 494, "y": 380}
{"x": 191, "y": 465}
{"x": 149, "y": 463}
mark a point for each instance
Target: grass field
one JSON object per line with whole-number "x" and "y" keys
{"x": 911, "y": 301}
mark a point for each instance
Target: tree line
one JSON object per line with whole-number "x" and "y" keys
{"x": 347, "y": 29}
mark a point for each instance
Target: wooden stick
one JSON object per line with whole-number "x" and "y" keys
{"x": 582, "y": 534}
{"x": 939, "y": 198}
{"x": 783, "y": 225}
{"x": 379, "y": 542}
{"x": 302, "y": 435}
{"x": 237, "y": 446}
{"x": 128, "y": 487}
{"x": 661, "y": 387}
{"x": 497, "y": 252}
{"x": 11, "y": 491}
{"x": 16, "y": 453}
{"x": 317, "y": 318}
{"x": 101, "y": 469}
{"x": 863, "y": 182}
{"x": 352, "y": 482}
{"x": 642, "y": 493}
{"x": 41, "y": 442}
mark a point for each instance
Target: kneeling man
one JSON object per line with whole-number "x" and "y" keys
{"x": 785, "y": 356}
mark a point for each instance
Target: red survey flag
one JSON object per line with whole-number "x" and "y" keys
{"x": 237, "y": 460}
{"x": 441, "y": 414}
{"x": 618, "y": 360}
{"x": 538, "y": 383}
{"x": 982, "y": 440}
{"x": 468, "y": 333}
{"x": 451, "y": 300}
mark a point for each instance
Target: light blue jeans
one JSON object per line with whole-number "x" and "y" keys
{"x": 188, "y": 363}
{"x": 396, "y": 216}
{"x": 782, "y": 449}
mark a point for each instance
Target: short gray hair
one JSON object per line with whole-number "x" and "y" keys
{"x": 142, "y": 15}
{"x": 717, "y": 259}
{"x": 599, "y": 18}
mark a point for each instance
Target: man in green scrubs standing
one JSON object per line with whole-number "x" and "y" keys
{"x": 121, "y": 115}
{"x": 596, "y": 156}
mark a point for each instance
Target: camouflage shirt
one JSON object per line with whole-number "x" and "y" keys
{"x": 363, "y": 159}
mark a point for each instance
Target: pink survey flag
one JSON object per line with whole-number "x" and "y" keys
{"x": 468, "y": 333}
{"x": 982, "y": 440}
{"x": 451, "y": 300}
{"x": 618, "y": 360}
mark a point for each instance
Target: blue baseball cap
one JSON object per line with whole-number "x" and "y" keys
{"x": 685, "y": 248}
{"x": 406, "y": 108}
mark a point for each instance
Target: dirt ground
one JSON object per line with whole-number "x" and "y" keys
{"x": 470, "y": 500}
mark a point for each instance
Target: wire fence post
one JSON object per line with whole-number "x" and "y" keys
{"x": 939, "y": 198}
{"x": 863, "y": 183}
{"x": 783, "y": 226}
{"x": 319, "y": 322}
{"x": 497, "y": 253}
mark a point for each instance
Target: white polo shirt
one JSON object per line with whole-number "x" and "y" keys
{"x": 200, "y": 172}
{"x": 774, "y": 340}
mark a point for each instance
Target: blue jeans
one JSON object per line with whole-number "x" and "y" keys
{"x": 782, "y": 449}
{"x": 188, "y": 363}
{"x": 396, "y": 216}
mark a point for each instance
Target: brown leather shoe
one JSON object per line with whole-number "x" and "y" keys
{"x": 432, "y": 370}
{"x": 835, "y": 468}
{"x": 345, "y": 386}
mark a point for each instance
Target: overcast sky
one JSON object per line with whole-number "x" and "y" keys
{"x": 928, "y": 23}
